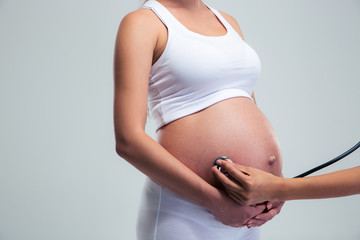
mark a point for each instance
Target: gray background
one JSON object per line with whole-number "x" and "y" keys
{"x": 60, "y": 177}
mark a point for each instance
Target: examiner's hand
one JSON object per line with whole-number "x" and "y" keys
{"x": 247, "y": 185}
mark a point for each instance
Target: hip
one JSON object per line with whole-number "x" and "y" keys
{"x": 165, "y": 215}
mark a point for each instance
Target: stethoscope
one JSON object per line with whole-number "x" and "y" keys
{"x": 326, "y": 164}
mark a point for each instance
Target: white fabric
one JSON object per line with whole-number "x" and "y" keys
{"x": 196, "y": 71}
{"x": 164, "y": 215}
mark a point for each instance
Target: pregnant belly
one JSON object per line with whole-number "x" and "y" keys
{"x": 235, "y": 128}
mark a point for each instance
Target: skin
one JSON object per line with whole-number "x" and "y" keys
{"x": 251, "y": 186}
{"x": 187, "y": 173}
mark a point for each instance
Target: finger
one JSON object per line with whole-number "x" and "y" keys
{"x": 267, "y": 216}
{"x": 270, "y": 214}
{"x": 254, "y": 223}
{"x": 226, "y": 181}
{"x": 274, "y": 204}
{"x": 262, "y": 218}
{"x": 239, "y": 174}
{"x": 244, "y": 169}
{"x": 221, "y": 177}
{"x": 260, "y": 207}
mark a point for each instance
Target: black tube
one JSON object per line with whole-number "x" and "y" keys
{"x": 329, "y": 162}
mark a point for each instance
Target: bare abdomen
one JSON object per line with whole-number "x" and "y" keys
{"x": 235, "y": 128}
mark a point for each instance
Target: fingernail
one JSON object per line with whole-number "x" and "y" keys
{"x": 250, "y": 222}
{"x": 219, "y": 162}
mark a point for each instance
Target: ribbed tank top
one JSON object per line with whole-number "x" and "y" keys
{"x": 196, "y": 71}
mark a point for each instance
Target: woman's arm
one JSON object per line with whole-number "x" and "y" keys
{"x": 255, "y": 186}
{"x": 136, "y": 41}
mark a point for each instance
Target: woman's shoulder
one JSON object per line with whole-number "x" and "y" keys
{"x": 138, "y": 24}
{"x": 140, "y": 18}
{"x": 233, "y": 22}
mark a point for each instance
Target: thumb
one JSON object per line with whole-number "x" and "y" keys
{"x": 260, "y": 207}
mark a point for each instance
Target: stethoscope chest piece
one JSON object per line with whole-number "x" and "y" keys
{"x": 224, "y": 158}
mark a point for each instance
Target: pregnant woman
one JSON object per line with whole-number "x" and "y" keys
{"x": 190, "y": 65}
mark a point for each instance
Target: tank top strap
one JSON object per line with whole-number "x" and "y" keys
{"x": 227, "y": 25}
{"x": 161, "y": 12}
{"x": 170, "y": 21}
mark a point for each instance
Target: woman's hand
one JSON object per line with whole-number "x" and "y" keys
{"x": 247, "y": 185}
{"x": 273, "y": 209}
{"x": 230, "y": 213}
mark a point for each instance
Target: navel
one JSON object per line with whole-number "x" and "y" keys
{"x": 271, "y": 159}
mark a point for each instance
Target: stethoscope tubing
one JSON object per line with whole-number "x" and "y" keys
{"x": 328, "y": 163}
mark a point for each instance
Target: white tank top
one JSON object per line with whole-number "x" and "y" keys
{"x": 196, "y": 71}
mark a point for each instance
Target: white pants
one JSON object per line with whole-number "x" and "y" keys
{"x": 164, "y": 215}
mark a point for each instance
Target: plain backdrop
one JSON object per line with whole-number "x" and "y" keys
{"x": 60, "y": 177}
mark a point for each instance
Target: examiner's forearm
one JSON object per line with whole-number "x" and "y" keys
{"x": 336, "y": 184}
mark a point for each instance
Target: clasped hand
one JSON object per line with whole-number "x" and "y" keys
{"x": 255, "y": 214}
